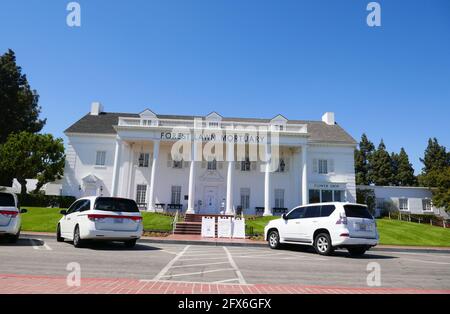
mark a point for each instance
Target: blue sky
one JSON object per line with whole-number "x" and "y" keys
{"x": 249, "y": 58}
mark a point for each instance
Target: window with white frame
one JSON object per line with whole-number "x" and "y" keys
{"x": 281, "y": 165}
{"x": 278, "y": 127}
{"x": 100, "y": 159}
{"x": 403, "y": 204}
{"x": 246, "y": 165}
{"x": 212, "y": 165}
{"x": 323, "y": 166}
{"x": 213, "y": 125}
{"x": 245, "y": 198}
{"x": 176, "y": 195}
{"x": 379, "y": 203}
{"x": 143, "y": 160}
{"x": 279, "y": 198}
{"x": 141, "y": 193}
{"x": 426, "y": 204}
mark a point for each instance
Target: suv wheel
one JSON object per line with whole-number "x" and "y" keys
{"x": 322, "y": 244}
{"x": 58, "y": 235}
{"x": 77, "y": 242}
{"x": 274, "y": 239}
{"x": 357, "y": 250}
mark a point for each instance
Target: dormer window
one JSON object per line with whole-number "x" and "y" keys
{"x": 278, "y": 127}
{"x": 213, "y": 125}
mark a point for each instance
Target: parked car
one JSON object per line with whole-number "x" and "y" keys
{"x": 101, "y": 218}
{"x": 10, "y": 220}
{"x": 326, "y": 226}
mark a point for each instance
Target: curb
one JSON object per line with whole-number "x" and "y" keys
{"x": 380, "y": 248}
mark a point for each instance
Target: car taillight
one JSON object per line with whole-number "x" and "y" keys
{"x": 93, "y": 217}
{"x": 9, "y": 213}
{"x": 97, "y": 217}
{"x": 342, "y": 220}
{"x": 344, "y": 235}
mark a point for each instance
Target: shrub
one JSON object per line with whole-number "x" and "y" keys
{"x": 42, "y": 200}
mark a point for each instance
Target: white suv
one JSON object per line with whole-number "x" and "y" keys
{"x": 325, "y": 226}
{"x": 10, "y": 220}
{"x": 101, "y": 218}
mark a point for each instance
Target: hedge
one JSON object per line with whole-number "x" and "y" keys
{"x": 41, "y": 200}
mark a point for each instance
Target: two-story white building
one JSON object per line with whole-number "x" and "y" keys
{"x": 131, "y": 155}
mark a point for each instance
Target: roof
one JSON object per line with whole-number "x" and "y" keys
{"x": 104, "y": 123}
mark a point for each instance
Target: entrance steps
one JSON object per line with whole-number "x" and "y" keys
{"x": 192, "y": 224}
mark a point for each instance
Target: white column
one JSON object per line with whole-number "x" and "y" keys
{"x": 305, "y": 190}
{"x": 267, "y": 192}
{"x": 116, "y": 167}
{"x": 130, "y": 170}
{"x": 230, "y": 159}
{"x": 192, "y": 174}
{"x": 151, "y": 195}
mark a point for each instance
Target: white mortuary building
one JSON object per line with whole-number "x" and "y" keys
{"x": 134, "y": 156}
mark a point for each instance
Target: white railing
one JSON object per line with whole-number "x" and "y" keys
{"x": 174, "y": 222}
{"x": 236, "y": 125}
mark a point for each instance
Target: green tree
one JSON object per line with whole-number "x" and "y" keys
{"x": 31, "y": 155}
{"x": 380, "y": 166}
{"x": 436, "y": 173}
{"x": 362, "y": 155}
{"x": 435, "y": 157}
{"x": 403, "y": 171}
{"x": 18, "y": 105}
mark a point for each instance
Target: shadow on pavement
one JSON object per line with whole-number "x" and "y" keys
{"x": 114, "y": 246}
{"x": 338, "y": 253}
{"x": 22, "y": 242}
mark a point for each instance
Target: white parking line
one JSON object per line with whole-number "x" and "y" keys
{"x": 199, "y": 272}
{"x": 173, "y": 261}
{"x": 201, "y": 258}
{"x": 422, "y": 261}
{"x": 194, "y": 265}
{"x": 236, "y": 269}
{"x": 38, "y": 246}
{"x": 226, "y": 280}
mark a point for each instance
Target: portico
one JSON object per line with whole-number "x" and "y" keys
{"x": 211, "y": 164}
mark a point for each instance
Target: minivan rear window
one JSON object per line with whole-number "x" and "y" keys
{"x": 116, "y": 205}
{"x": 357, "y": 211}
{"x": 7, "y": 200}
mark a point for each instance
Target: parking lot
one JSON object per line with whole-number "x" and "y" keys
{"x": 225, "y": 265}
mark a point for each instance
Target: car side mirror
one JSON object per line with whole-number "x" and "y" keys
{"x": 284, "y": 216}
{"x": 23, "y": 211}
{"x": 63, "y": 212}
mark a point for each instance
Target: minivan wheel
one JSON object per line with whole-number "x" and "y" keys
{"x": 322, "y": 244}
{"x": 274, "y": 239}
{"x": 77, "y": 242}
{"x": 130, "y": 243}
{"x": 14, "y": 238}
{"x": 357, "y": 250}
{"x": 58, "y": 235}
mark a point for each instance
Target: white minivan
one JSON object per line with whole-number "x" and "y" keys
{"x": 10, "y": 220}
{"x": 101, "y": 218}
{"x": 326, "y": 226}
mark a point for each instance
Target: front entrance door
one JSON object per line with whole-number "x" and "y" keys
{"x": 90, "y": 190}
{"x": 211, "y": 202}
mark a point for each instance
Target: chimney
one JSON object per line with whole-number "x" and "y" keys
{"x": 96, "y": 108}
{"x": 328, "y": 118}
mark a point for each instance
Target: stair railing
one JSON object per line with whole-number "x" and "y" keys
{"x": 174, "y": 222}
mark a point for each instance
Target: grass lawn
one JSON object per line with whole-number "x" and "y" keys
{"x": 392, "y": 232}
{"x": 46, "y": 219}
{"x": 409, "y": 233}
{"x": 259, "y": 223}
